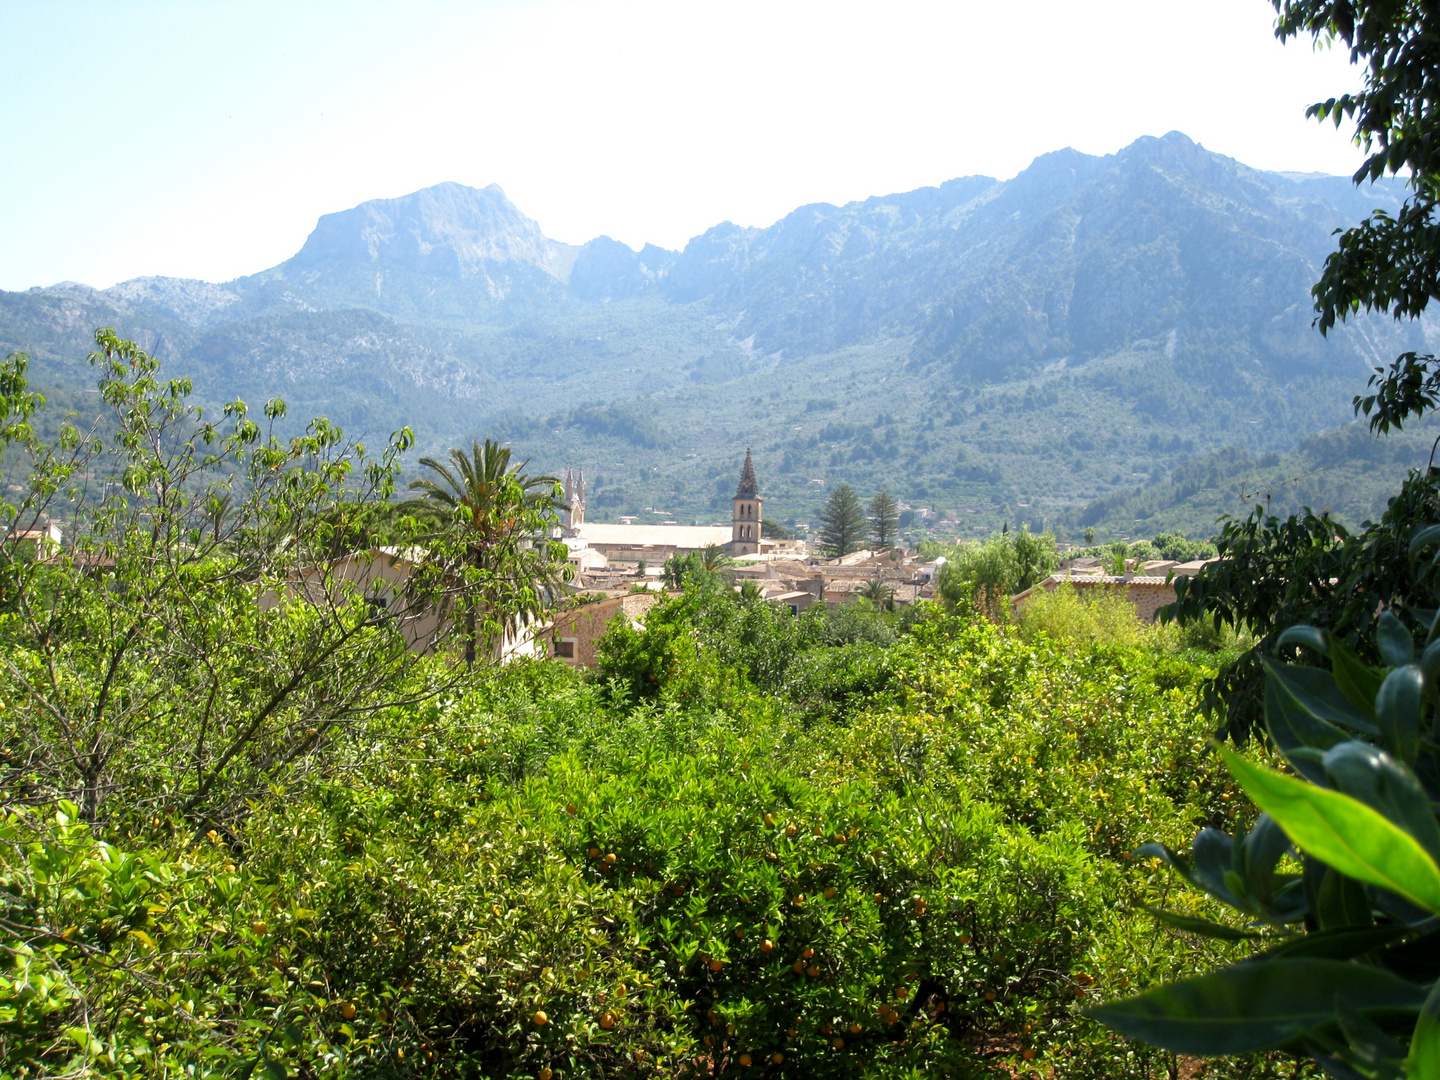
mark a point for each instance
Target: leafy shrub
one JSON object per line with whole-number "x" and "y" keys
{"x": 1097, "y": 614}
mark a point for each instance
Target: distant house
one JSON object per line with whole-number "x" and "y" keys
{"x": 573, "y": 635}
{"x": 47, "y": 539}
{"x": 381, "y": 577}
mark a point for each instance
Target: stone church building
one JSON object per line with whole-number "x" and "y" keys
{"x": 593, "y": 544}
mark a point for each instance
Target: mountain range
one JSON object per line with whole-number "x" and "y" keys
{"x": 1028, "y": 349}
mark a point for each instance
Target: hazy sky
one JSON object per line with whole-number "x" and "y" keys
{"x": 203, "y": 139}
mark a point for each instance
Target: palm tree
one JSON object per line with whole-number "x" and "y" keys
{"x": 476, "y": 489}
{"x": 713, "y": 559}
{"x": 878, "y": 593}
{"x": 498, "y": 515}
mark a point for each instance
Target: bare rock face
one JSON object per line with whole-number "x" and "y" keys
{"x": 445, "y": 231}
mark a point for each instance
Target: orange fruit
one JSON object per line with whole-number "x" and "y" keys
{"x": 826, "y": 1029}
{"x": 610, "y": 858}
{"x": 767, "y": 945}
{"x": 570, "y": 809}
{"x": 902, "y": 993}
{"x": 347, "y": 1011}
{"x": 778, "y": 1058}
{"x": 989, "y": 995}
{"x": 259, "y": 927}
{"x": 790, "y": 830}
{"x": 812, "y": 971}
{"x": 546, "y": 1073}
{"x": 770, "y": 820}
{"x": 745, "y": 1060}
{"x": 830, "y": 894}
{"x": 799, "y": 900}
{"x": 739, "y": 935}
{"x": 808, "y": 953}
{"x": 594, "y": 852}
{"x": 838, "y": 1044}
{"x": 792, "y": 1032}
{"x": 964, "y": 939}
{"x": 716, "y": 965}
{"x": 1028, "y": 1054}
{"x": 855, "y": 1029}
{"x": 799, "y": 966}
{"x": 607, "y": 1021}
{"x": 540, "y": 1018}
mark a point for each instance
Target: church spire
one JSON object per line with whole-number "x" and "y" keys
{"x": 748, "y": 489}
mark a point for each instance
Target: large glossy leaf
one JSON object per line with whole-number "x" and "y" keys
{"x": 1397, "y": 647}
{"x": 1315, "y": 690}
{"x": 1430, "y": 661}
{"x": 1213, "y": 856}
{"x": 1343, "y": 832}
{"x": 1424, "y": 1059}
{"x": 1369, "y": 774}
{"x": 1255, "y": 1005}
{"x": 1261, "y": 850}
{"x": 1313, "y": 636}
{"x": 1335, "y": 944}
{"x": 1356, "y": 679}
{"x": 1202, "y": 927}
{"x": 1398, "y": 709}
{"x": 1296, "y": 730}
{"x": 1341, "y": 903}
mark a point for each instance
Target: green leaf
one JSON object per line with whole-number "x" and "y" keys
{"x": 1261, "y": 850}
{"x": 1255, "y": 1005}
{"x": 1424, "y": 1059}
{"x": 1398, "y": 708}
{"x": 1357, "y": 680}
{"x": 1369, "y": 774}
{"x": 1202, "y": 927}
{"x": 1397, "y": 647}
{"x": 1343, "y": 832}
{"x": 1341, "y": 903}
{"x": 1313, "y": 636}
{"x": 1315, "y": 691}
{"x": 1337, "y": 944}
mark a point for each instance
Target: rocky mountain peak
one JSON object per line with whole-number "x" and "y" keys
{"x": 448, "y": 230}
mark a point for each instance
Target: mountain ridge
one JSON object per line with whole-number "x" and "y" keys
{"x": 1164, "y": 285}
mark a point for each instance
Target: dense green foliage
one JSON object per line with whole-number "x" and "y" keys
{"x": 989, "y": 573}
{"x": 847, "y": 843}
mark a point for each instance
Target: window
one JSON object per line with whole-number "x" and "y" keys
{"x": 565, "y": 648}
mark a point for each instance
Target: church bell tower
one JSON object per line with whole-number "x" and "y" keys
{"x": 745, "y": 513}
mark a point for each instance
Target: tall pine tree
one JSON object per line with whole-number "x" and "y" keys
{"x": 884, "y": 520}
{"x": 842, "y": 523}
